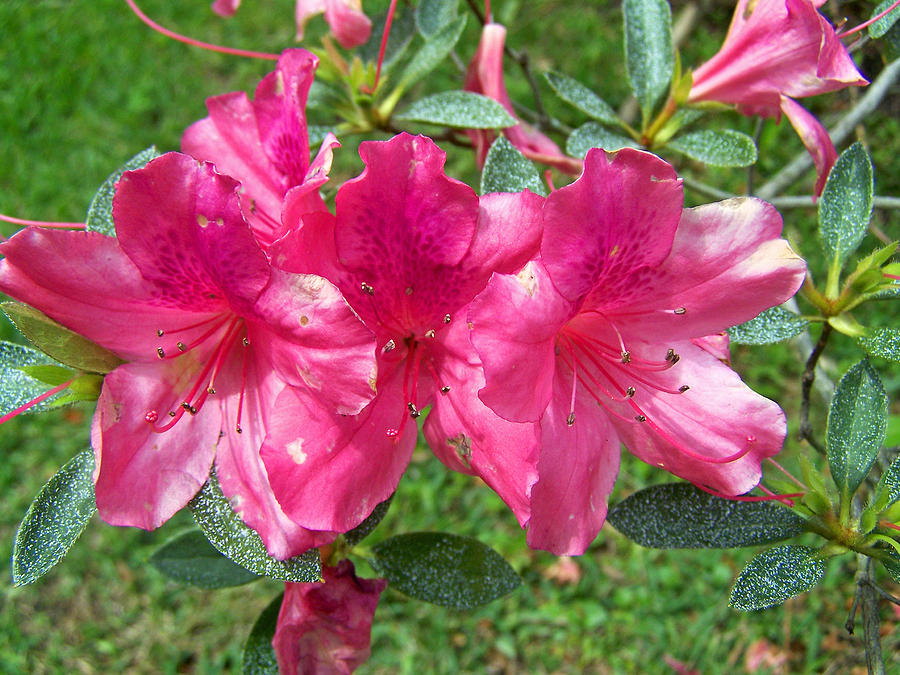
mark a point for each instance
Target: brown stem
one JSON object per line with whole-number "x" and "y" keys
{"x": 809, "y": 376}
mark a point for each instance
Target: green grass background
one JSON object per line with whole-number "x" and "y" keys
{"x": 84, "y": 86}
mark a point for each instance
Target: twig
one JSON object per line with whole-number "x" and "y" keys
{"x": 874, "y": 95}
{"x": 806, "y": 202}
{"x": 751, "y": 170}
{"x": 883, "y": 593}
{"x": 871, "y": 617}
{"x": 809, "y": 376}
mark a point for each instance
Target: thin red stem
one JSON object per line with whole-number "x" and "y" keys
{"x": 786, "y": 473}
{"x": 885, "y": 523}
{"x": 870, "y": 21}
{"x": 743, "y": 498}
{"x": 33, "y": 402}
{"x": 41, "y": 223}
{"x": 384, "y": 39}
{"x": 197, "y": 43}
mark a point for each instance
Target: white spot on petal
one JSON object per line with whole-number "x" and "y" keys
{"x": 295, "y": 450}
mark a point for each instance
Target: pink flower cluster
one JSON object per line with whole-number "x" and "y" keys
{"x": 292, "y": 347}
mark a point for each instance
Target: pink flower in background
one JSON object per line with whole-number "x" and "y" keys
{"x": 594, "y": 341}
{"x": 349, "y": 25}
{"x": 409, "y": 248}
{"x": 325, "y": 628}
{"x": 777, "y": 50}
{"x": 264, "y": 144}
{"x": 485, "y": 77}
{"x": 210, "y": 333}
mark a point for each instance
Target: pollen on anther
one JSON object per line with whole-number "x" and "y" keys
{"x": 630, "y": 392}
{"x": 570, "y": 420}
{"x": 245, "y": 340}
{"x": 192, "y": 410}
{"x": 640, "y": 418}
{"x": 626, "y": 357}
{"x": 365, "y": 288}
{"x": 680, "y": 310}
{"x": 210, "y": 390}
{"x": 389, "y": 345}
{"x": 445, "y": 389}
{"x": 171, "y": 413}
{"x": 186, "y": 405}
{"x": 413, "y": 411}
{"x": 429, "y": 333}
{"x": 160, "y": 332}
{"x": 180, "y": 346}
{"x": 160, "y": 352}
{"x": 238, "y": 429}
{"x": 446, "y": 318}
{"x": 151, "y": 416}
{"x": 683, "y": 388}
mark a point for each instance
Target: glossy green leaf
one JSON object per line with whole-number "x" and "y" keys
{"x": 459, "y": 109}
{"x": 507, "y": 170}
{"x": 857, "y": 422}
{"x": 889, "y": 484}
{"x": 55, "y": 520}
{"x": 649, "y": 55}
{"x": 17, "y": 386}
{"x": 593, "y": 135}
{"x": 892, "y": 565}
{"x": 726, "y": 148}
{"x": 228, "y": 533}
{"x": 445, "y": 569}
{"x": 883, "y": 342}
{"x": 366, "y": 527}
{"x": 99, "y": 215}
{"x": 846, "y": 203}
{"x": 576, "y": 94}
{"x": 59, "y": 342}
{"x": 884, "y": 24}
{"x": 776, "y": 575}
{"x": 772, "y": 325}
{"x": 432, "y": 15}
{"x": 258, "y": 657}
{"x": 190, "y": 559}
{"x": 436, "y": 49}
{"x": 678, "y": 515}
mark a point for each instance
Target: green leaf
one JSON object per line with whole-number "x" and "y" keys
{"x": 857, "y": 422}
{"x": 507, "y": 170}
{"x": 258, "y": 657}
{"x": 592, "y": 135}
{"x": 459, "y": 109}
{"x": 889, "y": 484}
{"x": 884, "y": 24}
{"x": 59, "y": 342}
{"x": 678, "y": 515}
{"x": 891, "y": 42}
{"x": 445, "y": 569}
{"x": 435, "y": 50}
{"x": 771, "y": 325}
{"x": 17, "y": 386}
{"x": 366, "y": 527}
{"x": 190, "y": 559}
{"x": 55, "y": 519}
{"x": 576, "y": 94}
{"x": 846, "y": 324}
{"x": 649, "y": 55}
{"x": 727, "y": 148}
{"x": 99, "y": 215}
{"x": 228, "y": 533}
{"x": 432, "y": 15}
{"x": 883, "y": 342}
{"x": 776, "y": 575}
{"x": 846, "y": 204}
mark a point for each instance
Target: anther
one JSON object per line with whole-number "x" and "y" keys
{"x": 365, "y": 288}
{"x": 570, "y": 420}
{"x": 160, "y": 332}
{"x": 210, "y": 390}
{"x": 429, "y": 333}
{"x": 675, "y": 359}
{"x": 683, "y": 388}
{"x": 245, "y": 340}
{"x": 151, "y": 416}
{"x": 680, "y": 310}
{"x": 409, "y": 290}
{"x": 180, "y": 346}
{"x": 171, "y": 413}
{"x": 160, "y": 353}
{"x": 640, "y": 418}
{"x": 630, "y": 392}
{"x": 238, "y": 429}
{"x": 413, "y": 411}
{"x": 389, "y": 346}
{"x": 192, "y": 410}
{"x": 626, "y": 357}
{"x": 445, "y": 389}
{"x": 186, "y": 405}
{"x": 446, "y": 318}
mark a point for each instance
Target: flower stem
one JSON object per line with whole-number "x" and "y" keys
{"x": 809, "y": 376}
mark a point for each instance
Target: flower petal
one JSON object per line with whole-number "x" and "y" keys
{"x": 347, "y": 22}
{"x": 815, "y": 138}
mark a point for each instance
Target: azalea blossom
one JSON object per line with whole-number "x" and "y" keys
{"x": 349, "y": 25}
{"x": 594, "y": 341}
{"x": 264, "y": 143}
{"x": 325, "y": 628}
{"x": 211, "y": 335}
{"x": 775, "y": 51}
{"x": 409, "y": 248}
{"x": 485, "y": 76}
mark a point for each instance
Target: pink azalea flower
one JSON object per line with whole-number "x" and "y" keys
{"x": 211, "y": 335}
{"x": 594, "y": 341}
{"x": 348, "y": 24}
{"x": 409, "y": 248}
{"x": 485, "y": 77}
{"x": 325, "y": 628}
{"x": 264, "y": 143}
{"x": 777, "y": 50}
